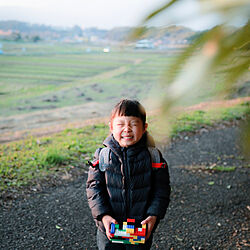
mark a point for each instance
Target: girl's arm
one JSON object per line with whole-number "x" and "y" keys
{"x": 96, "y": 192}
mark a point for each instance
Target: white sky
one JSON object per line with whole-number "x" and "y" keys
{"x": 95, "y": 13}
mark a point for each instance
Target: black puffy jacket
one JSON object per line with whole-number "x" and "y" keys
{"x": 129, "y": 188}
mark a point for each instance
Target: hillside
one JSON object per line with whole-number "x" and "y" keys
{"x": 15, "y": 30}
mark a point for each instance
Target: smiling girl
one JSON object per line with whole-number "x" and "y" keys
{"x": 130, "y": 187}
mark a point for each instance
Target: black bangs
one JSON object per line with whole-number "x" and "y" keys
{"x": 129, "y": 108}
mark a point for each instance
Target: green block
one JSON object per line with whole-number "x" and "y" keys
{"x": 122, "y": 241}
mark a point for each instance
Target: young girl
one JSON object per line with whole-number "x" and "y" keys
{"x": 130, "y": 186}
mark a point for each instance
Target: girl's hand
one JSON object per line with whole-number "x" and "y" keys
{"x": 150, "y": 221}
{"x": 107, "y": 220}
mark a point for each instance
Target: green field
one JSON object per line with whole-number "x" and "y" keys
{"x": 46, "y": 76}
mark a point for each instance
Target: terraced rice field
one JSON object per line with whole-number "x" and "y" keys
{"x": 48, "y": 76}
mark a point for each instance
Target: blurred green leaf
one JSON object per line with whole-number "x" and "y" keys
{"x": 223, "y": 49}
{"x": 158, "y": 11}
{"x": 137, "y": 32}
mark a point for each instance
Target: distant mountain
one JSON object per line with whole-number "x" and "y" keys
{"x": 169, "y": 35}
{"x": 99, "y": 33}
{"x": 45, "y": 32}
{"x": 118, "y": 34}
{"x": 162, "y": 35}
{"x": 23, "y": 27}
{"x": 173, "y": 31}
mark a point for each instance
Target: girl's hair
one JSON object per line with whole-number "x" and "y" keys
{"x": 129, "y": 108}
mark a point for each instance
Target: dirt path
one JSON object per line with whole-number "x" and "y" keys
{"x": 53, "y": 121}
{"x": 208, "y": 210}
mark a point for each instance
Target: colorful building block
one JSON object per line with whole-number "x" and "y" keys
{"x": 131, "y": 220}
{"x": 128, "y": 233}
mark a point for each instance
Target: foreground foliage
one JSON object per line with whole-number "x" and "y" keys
{"x": 223, "y": 49}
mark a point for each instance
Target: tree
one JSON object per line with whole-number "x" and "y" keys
{"x": 35, "y": 39}
{"x": 221, "y": 48}
{"x": 17, "y": 36}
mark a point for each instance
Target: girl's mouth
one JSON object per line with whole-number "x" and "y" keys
{"x": 127, "y": 137}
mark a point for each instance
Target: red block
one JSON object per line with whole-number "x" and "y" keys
{"x": 140, "y": 233}
{"x": 131, "y": 220}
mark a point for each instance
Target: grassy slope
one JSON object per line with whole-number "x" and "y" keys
{"x": 24, "y": 162}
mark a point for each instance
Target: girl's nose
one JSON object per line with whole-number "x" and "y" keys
{"x": 127, "y": 128}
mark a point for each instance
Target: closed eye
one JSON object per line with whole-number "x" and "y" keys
{"x": 134, "y": 124}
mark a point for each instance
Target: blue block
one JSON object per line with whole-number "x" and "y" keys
{"x": 131, "y": 226}
{"x": 112, "y": 230}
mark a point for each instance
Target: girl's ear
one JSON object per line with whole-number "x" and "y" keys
{"x": 145, "y": 127}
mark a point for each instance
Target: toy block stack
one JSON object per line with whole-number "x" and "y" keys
{"x": 128, "y": 233}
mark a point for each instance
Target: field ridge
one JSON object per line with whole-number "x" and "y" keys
{"x": 53, "y": 121}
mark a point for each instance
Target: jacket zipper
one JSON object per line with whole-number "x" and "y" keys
{"x": 127, "y": 182}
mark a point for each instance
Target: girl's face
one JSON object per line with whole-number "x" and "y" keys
{"x": 127, "y": 130}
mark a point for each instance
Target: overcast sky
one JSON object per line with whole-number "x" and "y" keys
{"x": 96, "y": 13}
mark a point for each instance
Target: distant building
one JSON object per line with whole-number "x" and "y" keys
{"x": 144, "y": 44}
{"x": 106, "y": 50}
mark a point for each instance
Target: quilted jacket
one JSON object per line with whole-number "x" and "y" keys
{"x": 129, "y": 187}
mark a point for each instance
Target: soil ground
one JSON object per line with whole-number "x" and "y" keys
{"x": 53, "y": 121}
{"x": 208, "y": 209}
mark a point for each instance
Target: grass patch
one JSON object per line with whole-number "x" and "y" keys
{"x": 195, "y": 120}
{"x": 55, "y": 158}
{"x": 25, "y": 161}
{"x": 190, "y": 122}
{"x": 224, "y": 168}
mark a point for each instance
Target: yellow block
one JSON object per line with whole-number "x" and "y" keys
{"x": 130, "y": 230}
